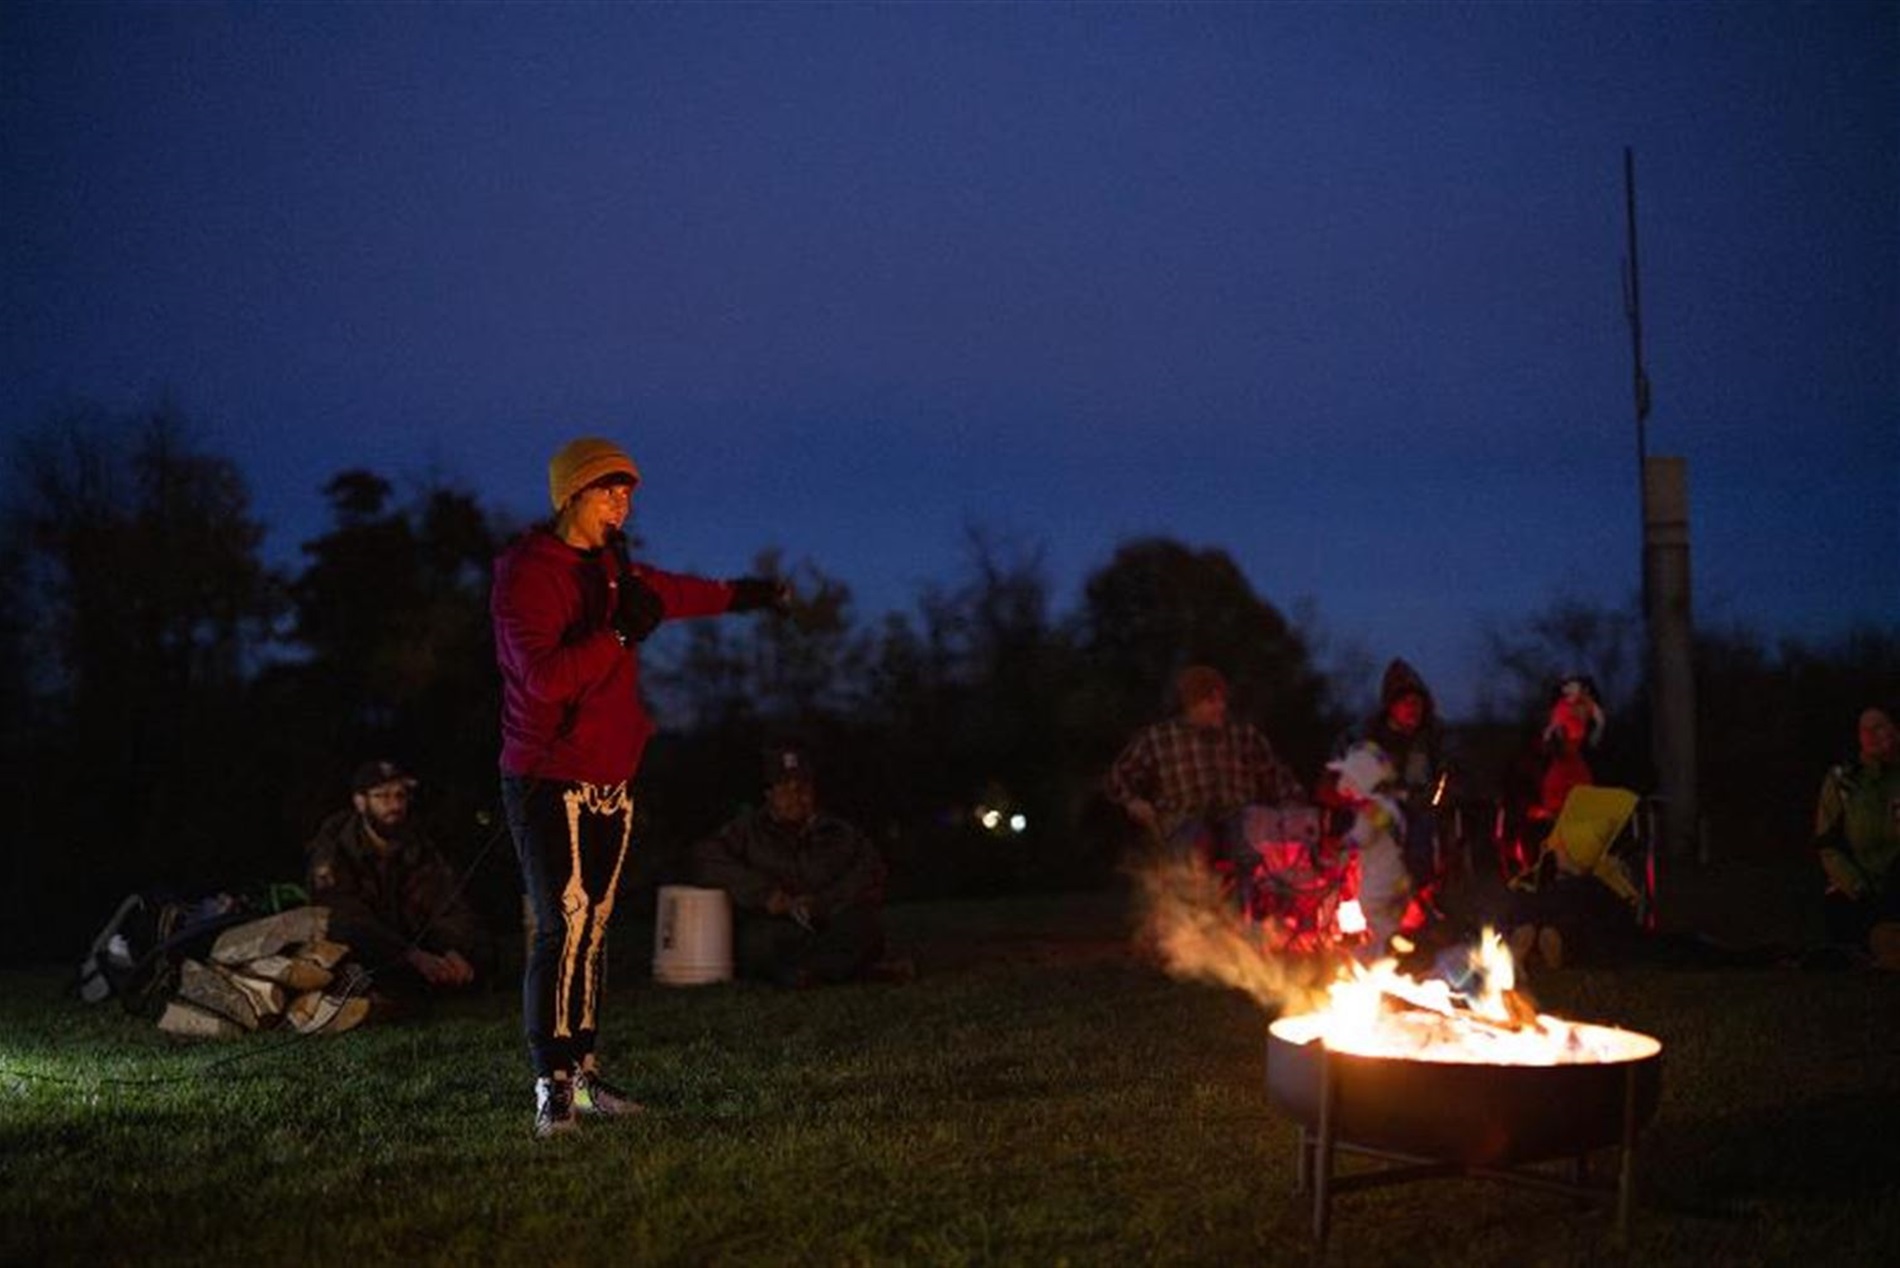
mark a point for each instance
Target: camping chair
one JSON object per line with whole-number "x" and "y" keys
{"x": 1292, "y": 878}
{"x": 1583, "y": 842}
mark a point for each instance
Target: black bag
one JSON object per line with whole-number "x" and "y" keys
{"x": 135, "y": 956}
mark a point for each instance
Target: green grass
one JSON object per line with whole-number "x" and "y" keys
{"x": 1034, "y": 1098}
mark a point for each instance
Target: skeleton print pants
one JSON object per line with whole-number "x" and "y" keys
{"x": 571, "y": 840}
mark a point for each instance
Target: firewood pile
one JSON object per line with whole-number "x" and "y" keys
{"x": 275, "y": 972}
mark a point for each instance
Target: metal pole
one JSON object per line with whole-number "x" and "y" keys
{"x": 1323, "y": 1155}
{"x": 1626, "y": 1159}
{"x": 1662, "y": 487}
{"x": 1672, "y": 651}
{"x": 1633, "y": 310}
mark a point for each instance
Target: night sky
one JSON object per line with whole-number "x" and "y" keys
{"x": 1334, "y": 288}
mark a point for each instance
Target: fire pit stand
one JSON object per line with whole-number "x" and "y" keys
{"x": 1428, "y": 1120}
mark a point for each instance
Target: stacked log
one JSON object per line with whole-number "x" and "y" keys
{"x": 278, "y": 971}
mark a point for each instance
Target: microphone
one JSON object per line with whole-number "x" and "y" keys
{"x": 617, "y": 545}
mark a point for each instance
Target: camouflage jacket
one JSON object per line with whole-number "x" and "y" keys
{"x": 383, "y": 902}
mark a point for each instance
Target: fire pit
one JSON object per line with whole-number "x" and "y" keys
{"x": 1456, "y": 1073}
{"x": 1492, "y": 1110}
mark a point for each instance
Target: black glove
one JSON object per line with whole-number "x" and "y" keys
{"x": 637, "y": 610}
{"x": 751, "y": 594}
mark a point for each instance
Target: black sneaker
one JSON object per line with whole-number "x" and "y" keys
{"x": 597, "y": 1098}
{"x": 553, "y": 1107}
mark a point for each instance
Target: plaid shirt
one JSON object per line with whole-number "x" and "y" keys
{"x": 1192, "y": 772}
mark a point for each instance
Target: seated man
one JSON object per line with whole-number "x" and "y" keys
{"x": 1191, "y": 780}
{"x": 1857, "y": 842}
{"x": 807, "y": 888}
{"x": 393, "y": 898}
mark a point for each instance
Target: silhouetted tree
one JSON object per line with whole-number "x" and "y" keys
{"x": 1497, "y": 751}
{"x": 1159, "y": 606}
{"x": 976, "y": 702}
{"x": 150, "y": 607}
{"x": 22, "y": 864}
{"x": 1769, "y": 719}
{"x": 397, "y": 659}
{"x": 160, "y": 721}
{"x": 1569, "y": 636}
{"x": 1771, "y": 722}
{"x": 720, "y": 690}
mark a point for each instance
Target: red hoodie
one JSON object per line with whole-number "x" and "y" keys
{"x": 570, "y": 693}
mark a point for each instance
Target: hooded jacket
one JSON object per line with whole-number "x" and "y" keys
{"x": 570, "y": 693}
{"x": 382, "y": 900}
{"x": 1415, "y": 754}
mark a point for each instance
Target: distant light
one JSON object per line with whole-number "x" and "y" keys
{"x": 989, "y": 818}
{"x": 1018, "y": 822}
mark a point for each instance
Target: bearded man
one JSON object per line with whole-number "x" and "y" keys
{"x": 393, "y": 897}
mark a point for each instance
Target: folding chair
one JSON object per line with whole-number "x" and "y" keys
{"x": 1583, "y": 841}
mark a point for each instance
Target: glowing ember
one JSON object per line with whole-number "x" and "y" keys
{"x": 1373, "y": 1010}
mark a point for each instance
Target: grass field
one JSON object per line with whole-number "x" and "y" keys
{"x": 1035, "y": 1097}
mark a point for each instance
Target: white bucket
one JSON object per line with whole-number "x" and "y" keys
{"x": 692, "y": 936}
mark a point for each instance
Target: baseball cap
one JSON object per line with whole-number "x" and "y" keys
{"x": 375, "y": 774}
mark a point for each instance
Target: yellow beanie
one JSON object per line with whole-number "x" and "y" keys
{"x": 581, "y": 462}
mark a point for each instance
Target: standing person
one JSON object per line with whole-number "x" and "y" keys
{"x": 1857, "y": 842}
{"x": 570, "y": 612}
{"x": 393, "y": 897}
{"x": 1191, "y": 780}
{"x": 807, "y": 888}
{"x": 1575, "y": 726}
{"x": 1539, "y": 778}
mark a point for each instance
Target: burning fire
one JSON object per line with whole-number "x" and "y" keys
{"x": 1475, "y": 1014}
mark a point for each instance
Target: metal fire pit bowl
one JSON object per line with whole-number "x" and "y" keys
{"x": 1438, "y": 1118}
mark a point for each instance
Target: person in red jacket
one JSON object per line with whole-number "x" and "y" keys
{"x": 570, "y": 612}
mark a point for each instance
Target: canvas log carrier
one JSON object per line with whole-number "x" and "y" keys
{"x": 216, "y": 968}
{"x": 135, "y": 955}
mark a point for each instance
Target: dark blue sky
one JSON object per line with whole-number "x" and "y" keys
{"x": 1334, "y": 288}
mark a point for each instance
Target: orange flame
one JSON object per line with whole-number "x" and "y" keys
{"x": 1374, "y": 1009}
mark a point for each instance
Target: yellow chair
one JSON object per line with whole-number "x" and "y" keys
{"x": 1586, "y": 829}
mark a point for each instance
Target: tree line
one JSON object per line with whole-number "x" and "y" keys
{"x": 179, "y": 714}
